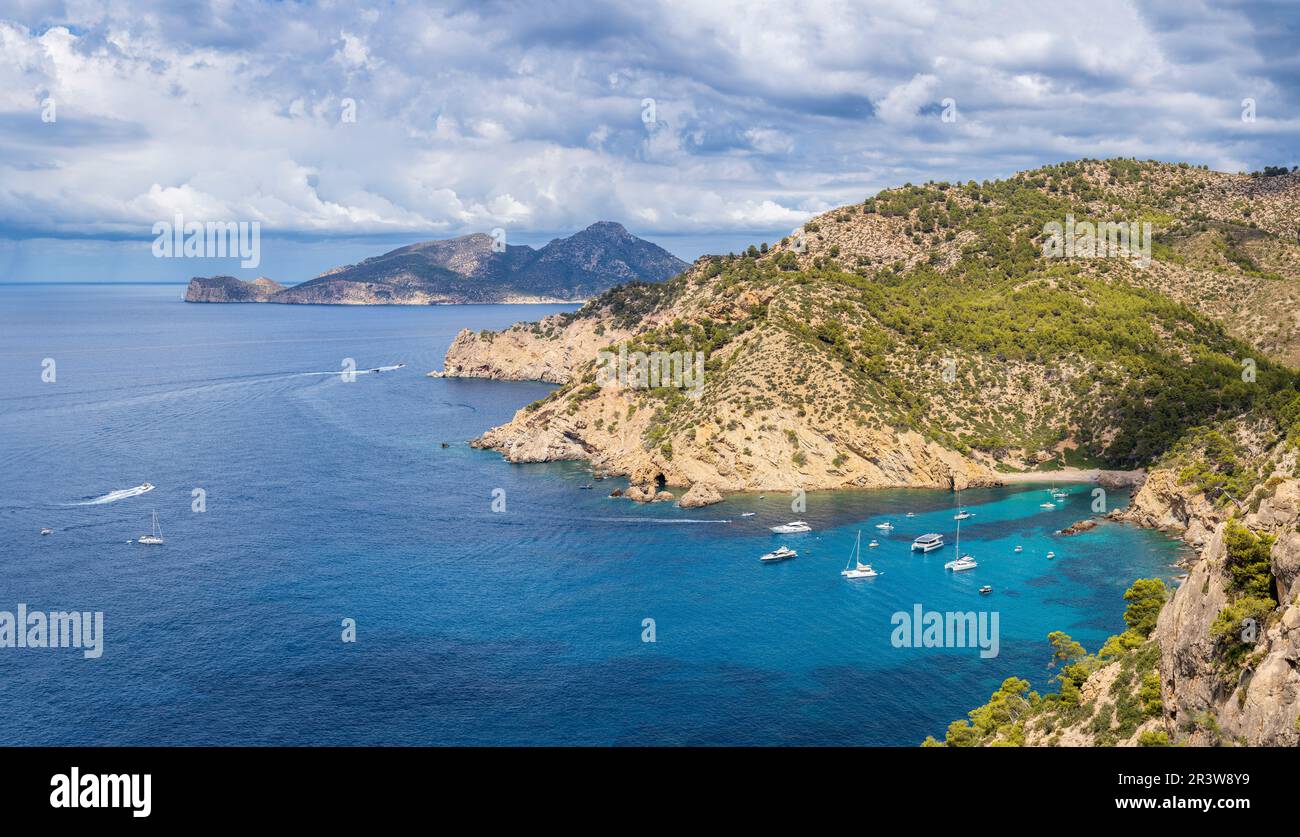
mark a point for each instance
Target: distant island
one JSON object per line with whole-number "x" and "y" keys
{"x": 468, "y": 269}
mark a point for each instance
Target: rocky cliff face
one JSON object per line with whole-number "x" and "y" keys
{"x": 469, "y": 269}
{"x": 1209, "y": 698}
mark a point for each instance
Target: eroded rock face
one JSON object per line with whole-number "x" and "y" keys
{"x": 1260, "y": 703}
{"x": 700, "y": 494}
{"x": 1162, "y": 503}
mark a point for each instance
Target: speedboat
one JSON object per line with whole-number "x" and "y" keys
{"x": 962, "y": 515}
{"x": 1020, "y": 549}
{"x": 148, "y": 486}
{"x": 928, "y": 543}
{"x": 874, "y": 543}
{"x": 779, "y": 554}
{"x": 47, "y": 531}
{"x": 1047, "y": 505}
{"x": 586, "y": 487}
{"x": 965, "y": 562}
{"x": 747, "y": 514}
{"x": 855, "y": 568}
{"x": 794, "y": 527}
{"x": 985, "y": 590}
{"x": 911, "y": 514}
{"x": 886, "y": 525}
{"x": 1051, "y": 555}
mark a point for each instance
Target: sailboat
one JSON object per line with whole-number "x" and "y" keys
{"x": 961, "y": 514}
{"x": 155, "y": 534}
{"x": 962, "y": 562}
{"x": 855, "y": 568}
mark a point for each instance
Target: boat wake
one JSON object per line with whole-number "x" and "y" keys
{"x": 649, "y": 520}
{"x": 114, "y": 496}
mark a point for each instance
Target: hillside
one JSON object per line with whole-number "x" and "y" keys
{"x": 468, "y": 269}
{"x": 922, "y": 338}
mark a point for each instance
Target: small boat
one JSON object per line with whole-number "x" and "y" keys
{"x": 985, "y": 590}
{"x": 928, "y": 543}
{"x": 965, "y": 562}
{"x": 874, "y": 543}
{"x": 1047, "y": 505}
{"x": 747, "y": 514}
{"x": 155, "y": 534}
{"x": 855, "y": 568}
{"x": 1051, "y": 555}
{"x": 1020, "y": 549}
{"x": 886, "y": 526}
{"x": 586, "y": 487}
{"x": 145, "y": 487}
{"x": 794, "y": 527}
{"x": 911, "y": 514}
{"x": 779, "y": 555}
{"x": 47, "y": 531}
{"x": 961, "y": 514}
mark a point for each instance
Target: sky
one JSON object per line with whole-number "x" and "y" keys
{"x": 346, "y": 129}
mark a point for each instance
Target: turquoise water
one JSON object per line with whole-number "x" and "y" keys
{"x": 329, "y": 500}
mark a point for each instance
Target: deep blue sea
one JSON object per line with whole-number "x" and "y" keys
{"x": 329, "y": 500}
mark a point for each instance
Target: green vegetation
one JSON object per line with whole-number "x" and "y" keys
{"x": 1251, "y": 595}
{"x": 1014, "y": 711}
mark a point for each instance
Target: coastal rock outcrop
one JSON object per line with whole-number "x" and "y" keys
{"x": 700, "y": 494}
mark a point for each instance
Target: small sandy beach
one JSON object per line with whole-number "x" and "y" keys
{"x": 1075, "y": 475}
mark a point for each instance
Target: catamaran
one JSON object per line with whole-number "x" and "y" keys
{"x": 963, "y": 562}
{"x": 155, "y": 534}
{"x": 779, "y": 554}
{"x": 794, "y": 527}
{"x": 928, "y": 543}
{"x": 855, "y": 568}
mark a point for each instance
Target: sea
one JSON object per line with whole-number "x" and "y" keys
{"x": 340, "y": 567}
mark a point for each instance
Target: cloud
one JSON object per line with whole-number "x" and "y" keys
{"x": 529, "y": 116}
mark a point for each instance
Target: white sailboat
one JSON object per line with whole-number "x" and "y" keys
{"x": 962, "y": 562}
{"x": 155, "y": 534}
{"x": 855, "y": 568}
{"x": 961, "y": 514}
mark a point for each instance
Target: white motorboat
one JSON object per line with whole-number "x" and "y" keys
{"x": 928, "y": 543}
{"x": 874, "y": 543}
{"x": 855, "y": 568}
{"x": 1047, "y": 505}
{"x": 779, "y": 554}
{"x": 47, "y": 531}
{"x": 747, "y": 514}
{"x": 885, "y": 526}
{"x": 1020, "y": 549}
{"x": 1051, "y": 555}
{"x": 794, "y": 527}
{"x": 155, "y": 534}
